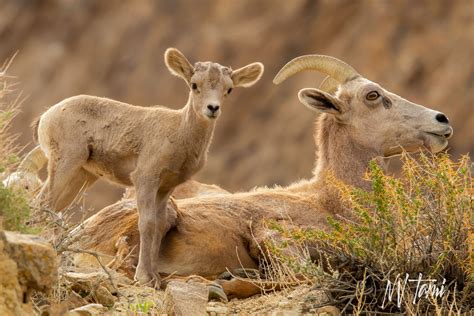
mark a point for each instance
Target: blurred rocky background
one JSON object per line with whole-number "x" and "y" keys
{"x": 422, "y": 50}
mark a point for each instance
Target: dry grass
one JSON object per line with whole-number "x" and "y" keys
{"x": 421, "y": 222}
{"x": 14, "y": 208}
{"x": 10, "y": 100}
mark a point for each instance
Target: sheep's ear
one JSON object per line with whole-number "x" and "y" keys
{"x": 178, "y": 65}
{"x": 320, "y": 101}
{"x": 248, "y": 75}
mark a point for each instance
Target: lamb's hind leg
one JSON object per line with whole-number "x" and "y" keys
{"x": 164, "y": 220}
{"x": 66, "y": 178}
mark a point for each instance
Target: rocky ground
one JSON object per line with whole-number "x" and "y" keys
{"x": 32, "y": 283}
{"x": 183, "y": 298}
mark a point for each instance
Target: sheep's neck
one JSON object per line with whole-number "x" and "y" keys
{"x": 197, "y": 130}
{"x": 339, "y": 153}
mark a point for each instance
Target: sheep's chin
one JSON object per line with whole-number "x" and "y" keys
{"x": 435, "y": 143}
{"x": 397, "y": 149}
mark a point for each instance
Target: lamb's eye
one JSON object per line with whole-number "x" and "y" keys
{"x": 194, "y": 86}
{"x": 229, "y": 91}
{"x": 372, "y": 95}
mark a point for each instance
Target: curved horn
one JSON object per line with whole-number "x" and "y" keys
{"x": 328, "y": 65}
{"x": 329, "y": 85}
{"x": 33, "y": 161}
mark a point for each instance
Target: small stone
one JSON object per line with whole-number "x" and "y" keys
{"x": 218, "y": 309}
{"x": 328, "y": 311}
{"x": 88, "y": 281}
{"x": 74, "y": 300}
{"x": 283, "y": 303}
{"x": 103, "y": 296}
{"x": 88, "y": 310}
{"x": 183, "y": 299}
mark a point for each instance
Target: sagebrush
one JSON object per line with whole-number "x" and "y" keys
{"x": 420, "y": 222}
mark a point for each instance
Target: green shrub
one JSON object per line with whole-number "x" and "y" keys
{"x": 14, "y": 209}
{"x": 421, "y": 222}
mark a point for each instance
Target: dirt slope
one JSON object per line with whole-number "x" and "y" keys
{"x": 420, "y": 49}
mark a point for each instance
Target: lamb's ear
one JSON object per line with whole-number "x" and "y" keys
{"x": 318, "y": 100}
{"x": 248, "y": 75}
{"x": 178, "y": 65}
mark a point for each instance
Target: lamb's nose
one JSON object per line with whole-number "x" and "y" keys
{"x": 213, "y": 108}
{"x": 440, "y": 117}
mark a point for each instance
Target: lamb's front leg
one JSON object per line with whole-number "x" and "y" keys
{"x": 147, "y": 209}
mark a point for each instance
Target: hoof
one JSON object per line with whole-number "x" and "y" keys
{"x": 216, "y": 293}
{"x": 225, "y": 276}
{"x": 240, "y": 273}
{"x": 147, "y": 279}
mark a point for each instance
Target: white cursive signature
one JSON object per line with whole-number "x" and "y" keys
{"x": 424, "y": 288}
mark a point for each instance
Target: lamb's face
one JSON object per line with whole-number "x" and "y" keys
{"x": 211, "y": 83}
{"x": 382, "y": 120}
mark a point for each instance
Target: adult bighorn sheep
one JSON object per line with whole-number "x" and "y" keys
{"x": 360, "y": 121}
{"x": 152, "y": 148}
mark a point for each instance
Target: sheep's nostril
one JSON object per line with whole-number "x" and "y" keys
{"x": 440, "y": 117}
{"x": 213, "y": 108}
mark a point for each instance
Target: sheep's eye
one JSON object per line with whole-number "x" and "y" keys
{"x": 372, "y": 95}
{"x": 229, "y": 91}
{"x": 194, "y": 86}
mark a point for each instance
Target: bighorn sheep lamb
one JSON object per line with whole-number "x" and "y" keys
{"x": 26, "y": 175}
{"x": 360, "y": 121}
{"x": 152, "y": 148}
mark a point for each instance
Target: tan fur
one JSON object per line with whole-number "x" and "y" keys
{"x": 228, "y": 231}
{"x": 152, "y": 148}
{"x": 186, "y": 190}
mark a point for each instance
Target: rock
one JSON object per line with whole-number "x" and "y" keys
{"x": 35, "y": 258}
{"x": 97, "y": 284}
{"x": 74, "y": 300}
{"x": 284, "y": 303}
{"x": 328, "y": 311}
{"x": 88, "y": 310}
{"x": 11, "y": 294}
{"x": 285, "y": 313}
{"x": 27, "y": 263}
{"x": 87, "y": 281}
{"x": 103, "y": 296}
{"x": 184, "y": 299}
{"x": 217, "y": 309}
